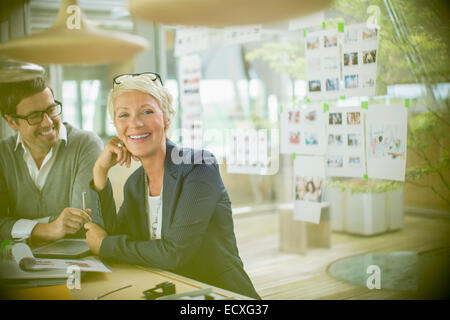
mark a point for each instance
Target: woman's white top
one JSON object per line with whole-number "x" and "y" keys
{"x": 155, "y": 214}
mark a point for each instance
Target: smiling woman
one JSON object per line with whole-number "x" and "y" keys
{"x": 175, "y": 216}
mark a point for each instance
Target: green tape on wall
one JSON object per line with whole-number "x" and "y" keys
{"x": 364, "y": 105}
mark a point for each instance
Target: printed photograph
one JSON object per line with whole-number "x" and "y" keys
{"x": 332, "y": 84}
{"x": 334, "y": 139}
{"x": 351, "y": 81}
{"x": 351, "y": 59}
{"x": 351, "y": 36}
{"x": 330, "y": 41}
{"x": 311, "y": 139}
{"x": 313, "y": 65}
{"x": 386, "y": 142}
{"x": 354, "y": 161}
{"x": 368, "y": 83}
{"x": 330, "y": 63}
{"x": 293, "y": 116}
{"x": 369, "y": 56}
{"x": 335, "y": 118}
{"x": 294, "y": 137}
{"x": 308, "y": 188}
{"x": 335, "y": 161}
{"x": 369, "y": 34}
{"x": 354, "y": 140}
{"x": 312, "y": 43}
{"x": 314, "y": 86}
{"x": 353, "y": 118}
{"x": 311, "y": 115}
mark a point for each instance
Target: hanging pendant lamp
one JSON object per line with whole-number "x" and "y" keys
{"x": 220, "y": 13}
{"x": 73, "y": 40}
{"x": 15, "y": 71}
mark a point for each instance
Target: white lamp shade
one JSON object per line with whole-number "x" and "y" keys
{"x": 219, "y": 13}
{"x": 81, "y": 44}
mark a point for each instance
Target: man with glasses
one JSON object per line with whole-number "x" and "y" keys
{"x": 44, "y": 168}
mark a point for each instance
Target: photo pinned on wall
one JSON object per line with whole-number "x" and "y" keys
{"x": 332, "y": 84}
{"x": 345, "y": 154}
{"x": 351, "y": 81}
{"x": 335, "y": 139}
{"x": 309, "y": 180}
{"x": 192, "y": 134}
{"x": 386, "y": 141}
{"x": 359, "y": 60}
{"x": 314, "y": 86}
{"x": 314, "y": 66}
{"x": 334, "y": 161}
{"x": 329, "y": 64}
{"x": 350, "y": 59}
{"x": 322, "y": 60}
{"x": 303, "y": 131}
{"x": 354, "y": 140}
{"x": 369, "y": 56}
{"x": 335, "y": 118}
{"x": 189, "y": 75}
{"x": 369, "y": 34}
{"x": 241, "y": 35}
{"x": 248, "y": 152}
{"x": 330, "y": 41}
{"x": 308, "y": 21}
{"x": 312, "y": 43}
{"x": 354, "y": 118}
{"x": 350, "y": 36}
{"x": 190, "y": 40}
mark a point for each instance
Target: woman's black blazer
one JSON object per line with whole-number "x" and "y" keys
{"x": 197, "y": 233}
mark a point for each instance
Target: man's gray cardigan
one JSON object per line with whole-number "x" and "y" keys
{"x": 67, "y": 179}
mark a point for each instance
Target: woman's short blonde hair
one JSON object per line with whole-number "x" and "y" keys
{"x": 145, "y": 84}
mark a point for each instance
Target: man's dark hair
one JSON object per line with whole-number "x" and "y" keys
{"x": 12, "y": 93}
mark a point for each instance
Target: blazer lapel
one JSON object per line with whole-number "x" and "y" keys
{"x": 143, "y": 205}
{"x": 171, "y": 187}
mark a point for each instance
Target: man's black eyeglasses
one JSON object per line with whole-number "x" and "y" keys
{"x": 153, "y": 75}
{"x": 36, "y": 117}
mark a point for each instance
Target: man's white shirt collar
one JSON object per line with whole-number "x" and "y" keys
{"x": 62, "y": 136}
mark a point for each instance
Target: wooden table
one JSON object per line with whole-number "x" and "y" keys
{"x": 94, "y": 285}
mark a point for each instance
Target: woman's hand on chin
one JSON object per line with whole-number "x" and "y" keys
{"x": 115, "y": 152}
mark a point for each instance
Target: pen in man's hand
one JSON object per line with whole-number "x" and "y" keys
{"x": 83, "y": 198}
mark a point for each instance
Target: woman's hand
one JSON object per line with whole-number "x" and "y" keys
{"x": 113, "y": 153}
{"x": 94, "y": 237}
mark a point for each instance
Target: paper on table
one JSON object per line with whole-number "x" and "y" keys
{"x": 386, "y": 134}
{"x": 24, "y": 258}
{"x": 309, "y": 179}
